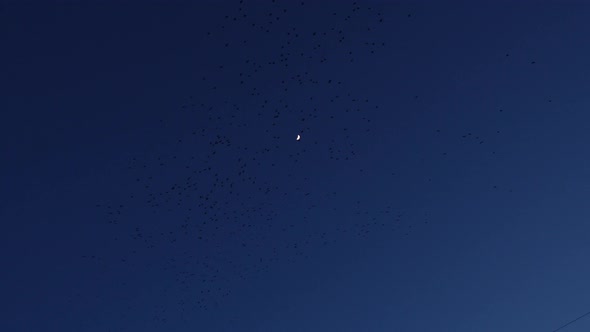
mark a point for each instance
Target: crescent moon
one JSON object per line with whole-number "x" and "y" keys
{"x": 298, "y": 137}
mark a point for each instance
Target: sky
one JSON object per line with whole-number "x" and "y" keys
{"x": 151, "y": 178}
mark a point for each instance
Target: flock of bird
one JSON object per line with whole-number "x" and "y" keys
{"x": 238, "y": 188}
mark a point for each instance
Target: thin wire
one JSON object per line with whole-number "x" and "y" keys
{"x": 573, "y": 321}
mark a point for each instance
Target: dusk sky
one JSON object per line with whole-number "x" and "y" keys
{"x": 152, "y": 179}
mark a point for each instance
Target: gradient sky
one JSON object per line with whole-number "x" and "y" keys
{"x": 441, "y": 182}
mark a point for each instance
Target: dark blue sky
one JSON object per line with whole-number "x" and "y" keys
{"x": 151, "y": 179}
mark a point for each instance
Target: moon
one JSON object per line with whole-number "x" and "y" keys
{"x": 298, "y": 137}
